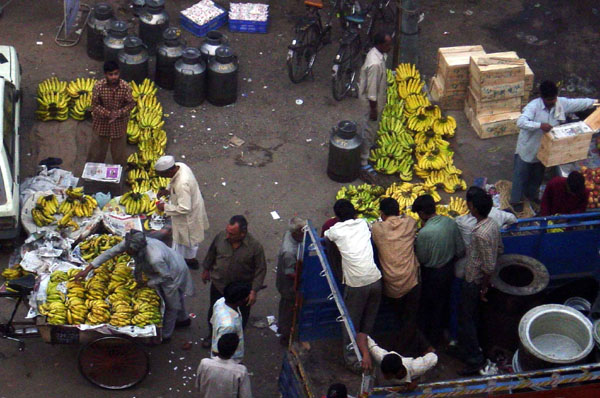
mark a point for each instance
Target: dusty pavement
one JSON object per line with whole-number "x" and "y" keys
{"x": 282, "y": 165}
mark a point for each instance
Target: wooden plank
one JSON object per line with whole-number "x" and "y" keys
{"x": 593, "y": 120}
{"x": 486, "y": 71}
{"x": 498, "y": 91}
{"x": 490, "y": 126}
{"x": 493, "y": 107}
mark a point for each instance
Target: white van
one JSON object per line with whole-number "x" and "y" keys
{"x": 10, "y": 109}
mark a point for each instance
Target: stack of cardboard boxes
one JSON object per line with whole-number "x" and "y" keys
{"x": 491, "y": 88}
{"x": 449, "y": 85}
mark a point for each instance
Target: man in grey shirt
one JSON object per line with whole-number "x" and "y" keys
{"x": 538, "y": 118}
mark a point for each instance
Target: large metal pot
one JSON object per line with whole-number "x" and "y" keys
{"x": 138, "y": 7}
{"x": 213, "y": 40}
{"x": 133, "y": 60}
{"x": 190, "y": 78}
{"x": 222, "y": 78}
{"x": 113, "y": 42}
{"x": 168, "y": 53}
{"x": 97, "y": 28}
{"x": 554, "y": 335}
{"x": 343, "y": 163}
{"x": 153, "y": 21}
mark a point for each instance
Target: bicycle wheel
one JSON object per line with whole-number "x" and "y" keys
{"x": 343, "y": 72}
{"x": 301, "y": 56}
{"x": 114, "y": 363}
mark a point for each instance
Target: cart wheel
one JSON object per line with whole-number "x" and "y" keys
{"x": 113, "y": 363}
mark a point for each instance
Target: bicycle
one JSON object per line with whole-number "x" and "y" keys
{"x": 311, "y": 35}
{"x": 380, "y": 15}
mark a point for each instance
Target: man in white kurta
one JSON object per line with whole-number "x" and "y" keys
{"x": 185, "y": 207}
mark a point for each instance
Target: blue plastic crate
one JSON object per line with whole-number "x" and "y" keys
{"x": 248, "y": 26}
{"x": 202, "y": 30}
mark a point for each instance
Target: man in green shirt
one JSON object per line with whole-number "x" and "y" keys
{"x": 438, "y": 245}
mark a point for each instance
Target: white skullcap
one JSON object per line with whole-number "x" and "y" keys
{"x": 164, "y": 163}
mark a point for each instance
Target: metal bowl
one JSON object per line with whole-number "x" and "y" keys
{"x": 596, "y": 332}
{"x": 580, "y": 304}
{"x": 519, "y": 275}
{"x": 554, "y": 335}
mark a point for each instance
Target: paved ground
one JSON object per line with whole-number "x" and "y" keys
{"x": 282, "y": 165}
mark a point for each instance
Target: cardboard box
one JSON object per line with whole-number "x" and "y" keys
{"x": 494, "y": 69}
{"x": 565, "y": 144}
{"x": 449, "y": 102}
{"x": 593, "y": 120}
{"x": 490, "y": 126}
{"x": 493, "y": 107}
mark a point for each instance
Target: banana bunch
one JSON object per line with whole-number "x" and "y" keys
{"x": 442, "y": 210}
{"x": 121, "y": 314}
{"x": 80, "y": 87}
{"x": 457, "y": 207}
{"x": 452, "y": 184}
{"x": 75, "y": 290}
{"x": 14, "y": 273}
{"x": 407, "y": 71}
{"x": 40, "y": 216}
{"x": 158, "y": 183}
{"x": 391, "y": 123}
{"x": 434, "y": 160}
{"x": 56, "y": 312}
{"x": 444, "y": 126}
{"x": 95, "y": 245}
{"x": 149, "y": 102}
{"x": 413, "y": 102}
{"x": 49, "y": 203}
{"x": 51, "y": 86}
{"x": 52, "y": 106}
{"x": 148, "y": 118}
{"x": 136, "y": 175}
{"x": 98, "y": 312}
{"x": 137, "y": 203}
{"x": 389, "y": 76}
{"x": 81, "y": 106}
{"x": 432, "y": 111}
{"x": 365, "y": 199}
{"x": 84, "y": 207}
{"x": 141, "y": 186}
{"x": 77, "y": 311}
{"x": 74, "y": 193}
{"x": 133, "y": 132}
{"x": 146, "y": 306}
{"x": 410, "y": 86}
{"x": 419, "y": 122}
{"x": 147, "y": 88}
{"x": 405, "y": 140}
{"x": 66, "y": 221}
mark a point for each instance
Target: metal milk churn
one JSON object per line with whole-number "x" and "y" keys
{"x": 153, "y": 21}
{"x": 222, "y": 78}
{"x": 113, "y": 42}
{"x": 168, "y": 52}
{"x": 343, "y": 163}
{"x": 133, "y": 60}
{"x": 97, "y": 28}
{"x": 213, "y": 41}
{"x": 190, "y": 78}
{"x": 138, "y": 6}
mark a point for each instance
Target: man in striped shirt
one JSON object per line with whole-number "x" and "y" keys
{"x": 486, "y": 245}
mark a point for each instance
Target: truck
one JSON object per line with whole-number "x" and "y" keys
{"x": 569, "y": 248}
{"x": 10, "y": 110}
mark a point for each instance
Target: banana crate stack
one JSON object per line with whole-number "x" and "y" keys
{"x": 500, "y": 85}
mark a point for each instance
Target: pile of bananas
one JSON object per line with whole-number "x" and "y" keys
{"x": 365, "y": 199}
{"x": 145, "y": 129}
{"x": 136, "y": 203}
{"x": 77, "y": 204}
{"x": 14, "y": 273}
{"x": 57, "y": 100}
{"x": 44, "y": 211}
{"x": 94, "y": 245}
{"x": 110, "y": 295}
{"x": 53, "y": 100}
{"x": 412, "y": 135}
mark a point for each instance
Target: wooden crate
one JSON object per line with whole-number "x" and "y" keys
{"x": 494, "y": 69}
{"x": 490, "y": 126}
{"x": 449, "y": 102}
{"x": 453, "y": 67}
{"x": 565, "y": 144}
{"x": 497, "y": 92}
{"x": 493, "y": 107}
{"x": 593, "y": 120}
{"x": 529, "y": 77}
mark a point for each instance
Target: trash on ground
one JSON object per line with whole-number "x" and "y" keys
{"x": 275, "y": 215}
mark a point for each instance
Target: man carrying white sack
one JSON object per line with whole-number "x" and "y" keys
{"x": 185, "y": 206}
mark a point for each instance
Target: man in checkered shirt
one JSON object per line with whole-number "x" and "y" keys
{"x": 111, "y": 105}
